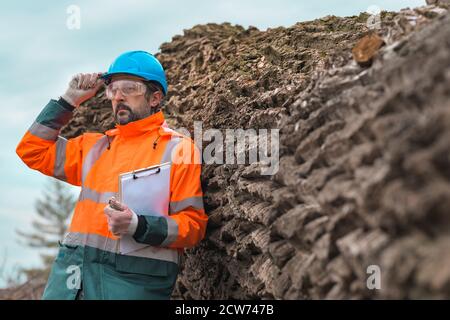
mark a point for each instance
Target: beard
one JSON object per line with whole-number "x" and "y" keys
{"x": 122, "y": 117}
{"x": 125, "y": 117}
{"x": 130, "y": 115}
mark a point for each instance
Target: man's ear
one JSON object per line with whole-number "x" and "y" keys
{"x": 155, "y": 98}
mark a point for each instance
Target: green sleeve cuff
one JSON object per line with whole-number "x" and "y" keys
{"x": 54, "y": 115}
{"x": 151, "y": 230}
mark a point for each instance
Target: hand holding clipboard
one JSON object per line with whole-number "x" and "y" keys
{"x": 147, "y": 192}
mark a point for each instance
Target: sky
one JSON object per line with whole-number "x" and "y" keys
{"x": 41, "y": 47}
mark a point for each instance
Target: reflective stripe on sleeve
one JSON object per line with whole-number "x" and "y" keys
{"x": 60, "y": 161}
{"x": 43, "y": 132}
{"x": 195, "y": 202}
{"x": 172, "y": 232}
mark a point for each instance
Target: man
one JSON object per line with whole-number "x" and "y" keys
{"x": 90, "y": 263}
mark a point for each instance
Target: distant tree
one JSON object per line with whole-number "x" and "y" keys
{"x": 50, "y": 226}
{"x": 9, "y": 277}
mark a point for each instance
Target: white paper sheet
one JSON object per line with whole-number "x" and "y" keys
{"x": 147, "y": 192}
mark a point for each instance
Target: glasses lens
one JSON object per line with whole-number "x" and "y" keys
{"x": 110, "y": 91}
{"x": 130, "y": 89}
{"x": 126, "y": 87}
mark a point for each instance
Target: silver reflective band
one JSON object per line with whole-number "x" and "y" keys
{"x": 93, "y": 155}
{"x": 172, "y": 232}
{"x": 110, "y": 245}
{"x": 60, "y": 161}
{"x": 167, "y": 156}
{"x": 195, "y": 202}
{"x": 98, "y": 197}
{"x": 43, "y": 132}
{"x": 91, "y": 240}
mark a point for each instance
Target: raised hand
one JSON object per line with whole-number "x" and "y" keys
{"x": 82, "y": 87}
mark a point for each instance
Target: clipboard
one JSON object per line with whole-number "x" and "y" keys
{"x": 147, "y": 192}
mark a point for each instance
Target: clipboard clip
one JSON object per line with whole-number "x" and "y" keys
{"x": 156, "y": 172}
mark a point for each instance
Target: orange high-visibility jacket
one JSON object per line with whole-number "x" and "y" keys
{"x": 94, "y": 162}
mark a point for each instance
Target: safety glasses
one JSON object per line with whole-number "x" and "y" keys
{"x": 126, "y": 87}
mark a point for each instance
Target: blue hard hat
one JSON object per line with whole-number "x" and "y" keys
{"x": 141, "y": 64}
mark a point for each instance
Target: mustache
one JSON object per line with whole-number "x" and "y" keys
{"x": 122, "y": 106}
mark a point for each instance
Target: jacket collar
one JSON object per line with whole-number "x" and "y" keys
{"x": 139, "y": 127}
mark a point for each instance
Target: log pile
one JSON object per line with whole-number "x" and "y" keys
{"x": 364, "y": 173}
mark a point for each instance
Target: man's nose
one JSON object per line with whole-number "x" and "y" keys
{"x": 118, "y": 96}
